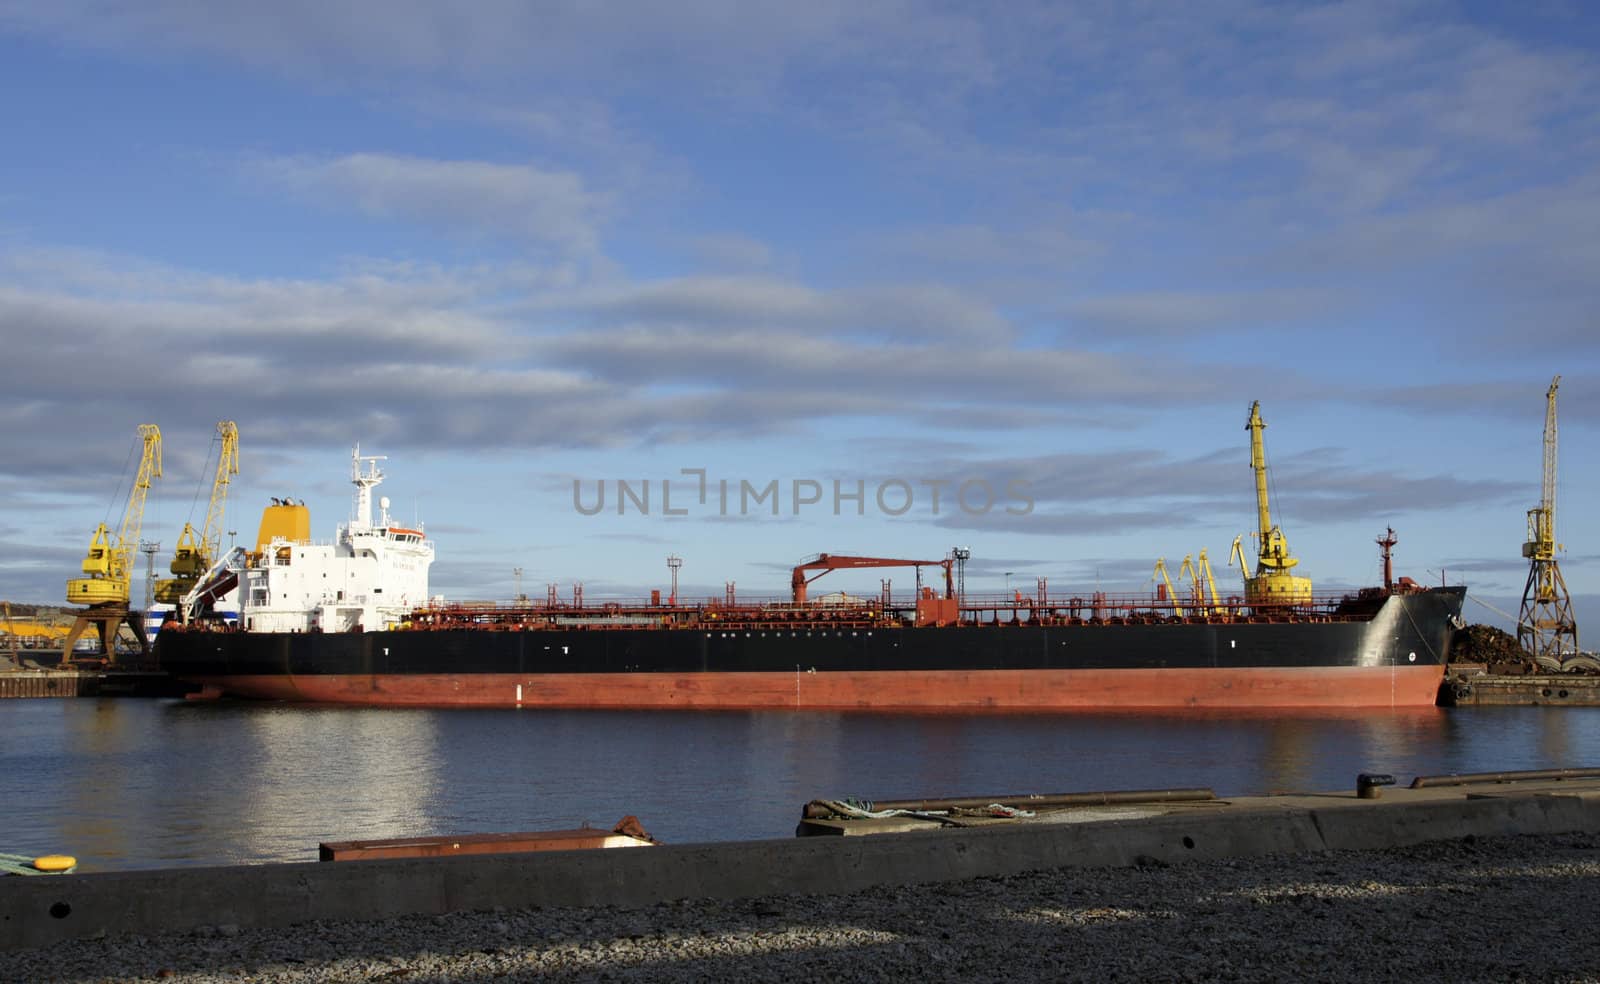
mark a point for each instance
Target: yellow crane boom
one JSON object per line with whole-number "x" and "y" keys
{"x": 1211, "y": 581}
{"x": 110, "y": 558}
{"x": 1272, "y": 582}
{"x": 1541, "y": 542}
{"x": 1200, "y": 579}
{"x": 1161, "y": 578}
{"x": 195, "y": 553}
{"x": 1237, "y": 554}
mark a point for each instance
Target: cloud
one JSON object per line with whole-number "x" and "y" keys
{"x": 438, "y": 358}
{"x": 730, "y": 252}
{"x": 1539, "y": 229}
{"x": 741, "y": 49}
{"x": 1054, "y": 115}
{"x": 710, "y": 303}
{"x": 984, "y": 251}
{"x": 34, "y": 571}
{"x": 1577, "y": 400}
{"x": 515, "y": 201}
{"x": 1323, "y": 484}
{"x": 885, "y": 374}
{"x": 1078, "y": 522}
{"x": 500, "y": 357}
{"x": 385, "y": 352}
{"x": 1089, "y": 493}
{"x": 1174, "y": 313}
{"x": 1487, "y": 565}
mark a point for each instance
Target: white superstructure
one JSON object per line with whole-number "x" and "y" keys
{"x": 370, "y": 578}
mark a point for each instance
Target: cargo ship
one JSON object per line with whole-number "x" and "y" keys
{"x": 351, "y": 622}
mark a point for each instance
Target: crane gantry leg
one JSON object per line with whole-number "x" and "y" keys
{"x": 107, "y": 621}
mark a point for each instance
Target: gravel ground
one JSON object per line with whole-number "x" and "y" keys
{"x": 1501, "y": 909}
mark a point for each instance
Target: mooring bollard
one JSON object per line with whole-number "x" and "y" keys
{"x": 1368, "y": 784}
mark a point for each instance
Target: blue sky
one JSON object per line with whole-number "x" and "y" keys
{"x": 516, "y": 245}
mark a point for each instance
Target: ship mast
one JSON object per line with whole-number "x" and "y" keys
{"x": 1272, "y": 581}
{"x": 1386, "y": 551}
{"x": 364, "y": 484}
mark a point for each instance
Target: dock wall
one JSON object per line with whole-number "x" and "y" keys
{"x": 1487, "y": 690}
{"x": 42, "y": 910}
{"x": 112, "y": 682}
{"x": 48, "y": 683}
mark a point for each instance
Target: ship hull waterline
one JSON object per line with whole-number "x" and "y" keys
{"x": 969, "y": 690}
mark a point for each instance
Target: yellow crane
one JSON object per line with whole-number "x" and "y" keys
{"x": 196, "y": 553}
{"x": 1272, "y": 583}
{"x": 1545, "y": 626}
{"x": 1161, "y": 578}
{"x": 109, "y": 564}
{"x": 1201, "y": 579}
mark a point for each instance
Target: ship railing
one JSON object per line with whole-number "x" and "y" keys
{"x": 1135, "y": 609}
{"x": 1060, "y": 609}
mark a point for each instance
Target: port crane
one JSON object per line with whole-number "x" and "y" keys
{"x": 823, "y": 563}
{"x": 1272, "y": 583}
{"x": 109, "y": 563}
{"x": 1545, "y": 626}
{"x": 1201, "y": 579}
{"x": 1164, "y": 589}
{"x": 196, "y": 552}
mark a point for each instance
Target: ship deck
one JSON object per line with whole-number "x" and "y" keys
{"x": 874, "y": 613}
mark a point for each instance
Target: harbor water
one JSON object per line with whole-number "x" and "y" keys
{"x": 127, "y": 784}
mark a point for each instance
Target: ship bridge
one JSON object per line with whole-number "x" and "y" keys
{"x": 370, "y": 577}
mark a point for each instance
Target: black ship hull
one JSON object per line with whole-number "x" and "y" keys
{"x": 1391, "y": 655}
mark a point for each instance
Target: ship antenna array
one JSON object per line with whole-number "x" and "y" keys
{"x": 1545, "y": 626}
{"x": 961, "y": 555}
{"x": 674, "y": 564}
{"x": 364, "y": 483}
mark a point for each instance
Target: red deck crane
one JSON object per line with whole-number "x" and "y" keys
{"x": 823, "y": 563}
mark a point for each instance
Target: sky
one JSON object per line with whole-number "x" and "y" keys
{"x": 1038, "y": 258}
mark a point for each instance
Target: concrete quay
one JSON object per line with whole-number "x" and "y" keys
{"x": 37, "y": 912}
{"x": 1535, "y": 690}
{"x": 47, "y": 682}
{"x": 1446, "y": 912}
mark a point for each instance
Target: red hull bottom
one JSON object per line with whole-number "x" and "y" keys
{"x": 955, "y": 690}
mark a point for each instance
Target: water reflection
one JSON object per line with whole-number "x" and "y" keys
{"x": 94, "y": 810}
{"x": 1230, "y": 752}
{"x": 127, "y": 784}
{"x": 313, "y": 774}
